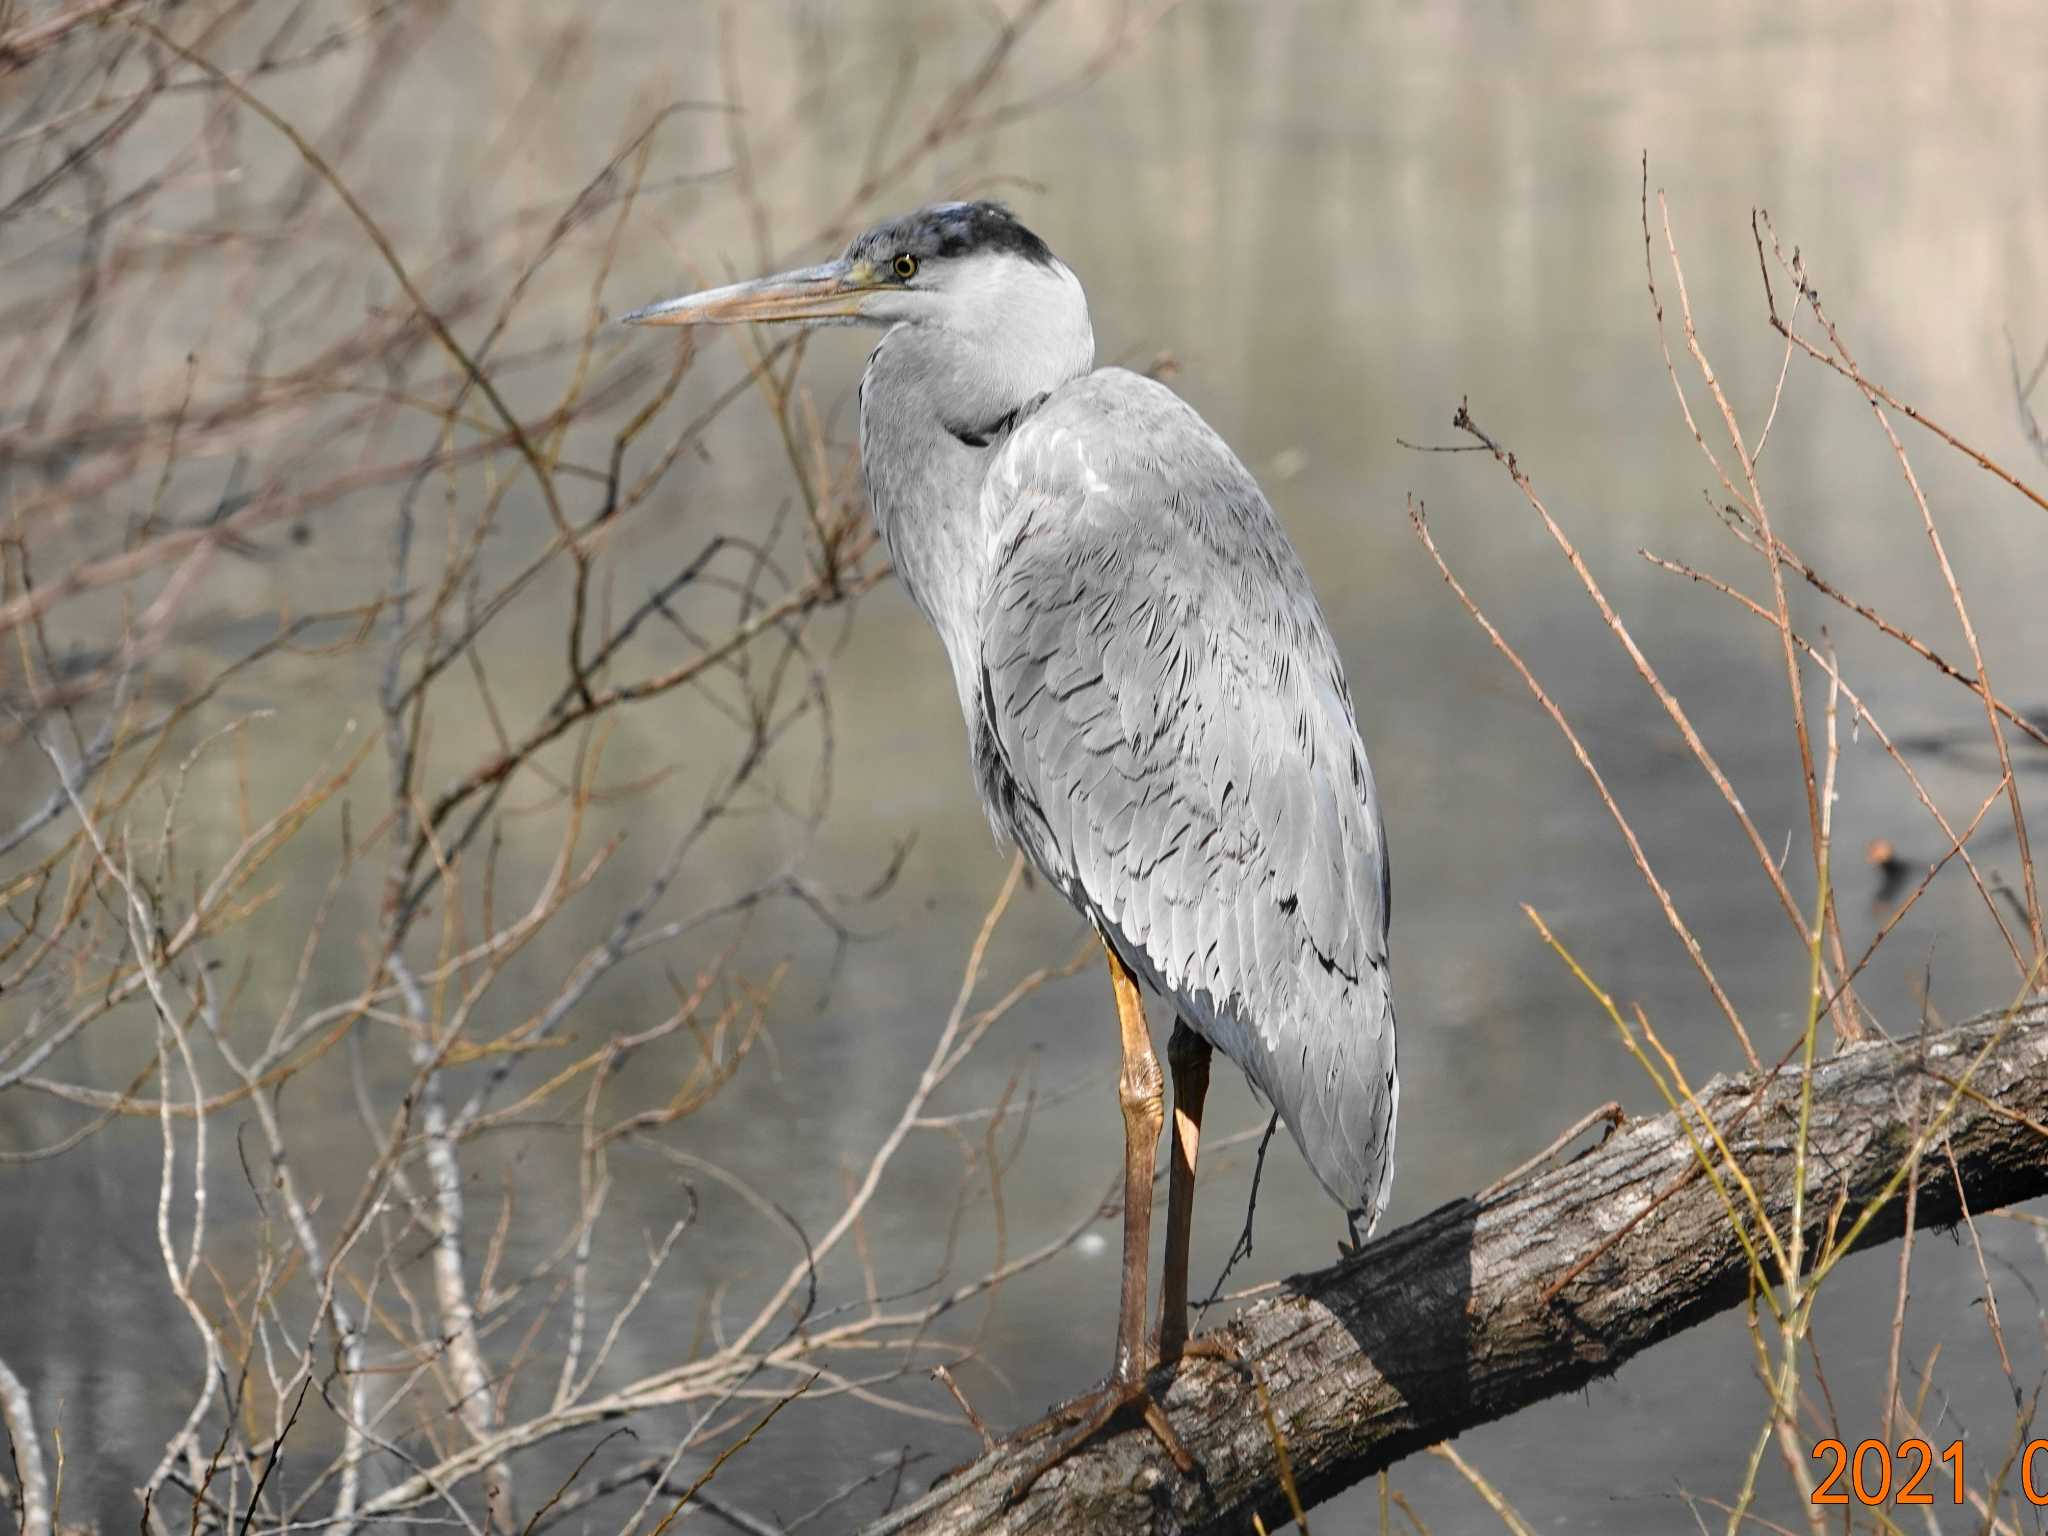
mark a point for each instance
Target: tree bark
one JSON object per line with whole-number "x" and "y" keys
{"x": 1451, "y": 1321}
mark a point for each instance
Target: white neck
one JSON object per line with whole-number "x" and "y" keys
{"x": 935, "y": 399}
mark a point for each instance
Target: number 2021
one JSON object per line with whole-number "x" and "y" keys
{"x": 1868, "y": 1471}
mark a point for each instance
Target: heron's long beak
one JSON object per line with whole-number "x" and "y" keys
{"x": 832, "y": 291}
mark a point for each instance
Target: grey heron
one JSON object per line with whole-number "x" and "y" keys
{"x": 1155, "y": 709}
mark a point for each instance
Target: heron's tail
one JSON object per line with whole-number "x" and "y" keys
{"x": 1336, "y": 1084}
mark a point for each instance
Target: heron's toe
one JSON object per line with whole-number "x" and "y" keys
{"x": 1095, "y": 1412}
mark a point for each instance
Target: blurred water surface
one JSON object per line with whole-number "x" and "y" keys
{"x": 1339, "y": 220}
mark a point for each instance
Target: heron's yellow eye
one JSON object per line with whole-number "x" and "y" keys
{"x": 906, "y": 266}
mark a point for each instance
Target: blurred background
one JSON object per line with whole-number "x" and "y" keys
{"x": 1328, "y": 224}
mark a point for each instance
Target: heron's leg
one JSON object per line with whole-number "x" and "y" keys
{"x": 1187, "y": 1056}
{"x": 1140, "y": 1091}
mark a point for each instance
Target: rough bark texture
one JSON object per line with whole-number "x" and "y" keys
{"x": 1443, "y": 1324}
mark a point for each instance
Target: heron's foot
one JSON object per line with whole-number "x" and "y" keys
{"x": 1202, "y": 1346}
{"x": 1213, "y": 1346}
{"x": 1094, "y": 1412}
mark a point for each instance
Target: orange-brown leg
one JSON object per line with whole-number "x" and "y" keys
{"x": 1187, "y": 1057}
{"x": 1141, "y": 1094}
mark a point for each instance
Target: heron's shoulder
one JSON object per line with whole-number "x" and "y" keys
{"x": 1120, "y": 398}
{"x": 1114, "y": 384}
{"x": 1127, "y": 446}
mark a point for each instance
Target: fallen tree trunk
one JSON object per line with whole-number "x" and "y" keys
{"x": 1490, "y": 1304}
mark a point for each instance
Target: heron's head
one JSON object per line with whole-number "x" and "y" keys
{"x": 967, "y": 269}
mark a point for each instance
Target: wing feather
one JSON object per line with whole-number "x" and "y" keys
{"x": 1170, "y": 741}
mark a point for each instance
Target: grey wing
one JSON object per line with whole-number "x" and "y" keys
{"x": 1165, "y": 730}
